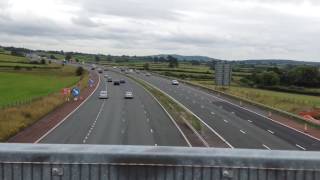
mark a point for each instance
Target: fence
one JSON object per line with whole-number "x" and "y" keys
{"x": 89, "y": 162}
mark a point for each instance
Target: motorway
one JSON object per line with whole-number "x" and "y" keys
{"x": 137, "y": 121}
{"x": 239, "y": 127}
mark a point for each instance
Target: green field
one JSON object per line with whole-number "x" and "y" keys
{"x": 25, "y": 86}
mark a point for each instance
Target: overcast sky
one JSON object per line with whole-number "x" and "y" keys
{"x": 226, "y": 29}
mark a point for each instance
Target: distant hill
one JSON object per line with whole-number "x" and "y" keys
{"x": 186, "y": 58}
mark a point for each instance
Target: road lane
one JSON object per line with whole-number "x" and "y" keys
{"x": 241, "y": 128}
{"x": 137, "y": 121}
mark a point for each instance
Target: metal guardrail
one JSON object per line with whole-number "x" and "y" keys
{"x": 97, "y": 162}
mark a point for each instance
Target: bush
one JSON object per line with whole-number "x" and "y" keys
{"x": 43, "y": 61}
{"x": 17, "y": 68}
{"x": 79, "y": 71}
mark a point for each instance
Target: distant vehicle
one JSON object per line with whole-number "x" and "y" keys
{"x": 103, "y": 95}
{"x": 128, "y": 95}
{"x": 137, "y": 71}
{"x": 116, "y": 83}
{"x": 114, "y": 67}
{"x": 122, "y": 81}
{"x": 109, "y": 79}
{"x": 130, "y": 70}
{"x": 105, "y": 69}
{"x": 100, "y": 70}
{"x": 122, "y": 69}
{"x": 93, "y": 67}
{"x": 174, "y": 82}
{"x": 148, "y": 74}
{"x": 106, "y": 76}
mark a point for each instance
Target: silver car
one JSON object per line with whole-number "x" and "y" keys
{"x": 128, "y": 95}
{"x": 103, "y": 95}
{"x": 174, "y": 82}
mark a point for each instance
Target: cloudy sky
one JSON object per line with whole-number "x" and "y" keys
{"x": 226, "y": 29}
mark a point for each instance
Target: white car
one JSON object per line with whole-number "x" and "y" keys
{"x": 106, "y": 76}
{"x": 103, "y": 95}
{"x": 174, "y": 82}
{"x": 148, "y": 74}
{"x": 128, "y": 95}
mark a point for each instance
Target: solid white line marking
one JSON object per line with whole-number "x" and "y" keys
{"x": 212, "y": 113}
{"x": 249, "y": 121}
{"x": 300, "y": 147}
{"x": 225, "y": 121}
{"x": 151, "y": 130}
{"x": 243, "y": 131}
{"x": 65, "y": 118}
{"x": 270, "y": 131}
{"x": 266, "y": 147}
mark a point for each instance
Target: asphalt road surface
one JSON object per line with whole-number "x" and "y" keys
{"x": 239, "y": 127}
{"x": 137, "y": 121}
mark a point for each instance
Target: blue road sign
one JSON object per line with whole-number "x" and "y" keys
{"x": 75, "y": 92}
{"x": 91, "y": 81}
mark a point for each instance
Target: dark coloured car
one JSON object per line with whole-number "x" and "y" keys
{"x": 122, "y": 81}
{"x": 116, "y": 83}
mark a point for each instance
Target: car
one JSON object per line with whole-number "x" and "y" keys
{"x": 148, "y": 74}
{"x": 103, "y": 95}
{"x": 109, "y": 79}
{"x": 174, "y": 82}
{"x": 128, "y": 95}
{"x": 122, "y": 81}
{"x": 106, "y": 76}
{"x": 116, "y": 83}
{"x": 100, "y": 70}
{"x": 105, "y": 69}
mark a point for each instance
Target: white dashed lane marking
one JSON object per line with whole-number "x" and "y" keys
{"x": 300, "y": 147}
{"x": 243, "y": 131}
{"x": 266, "y": 146}
{"x": 270, "y": 131}
{"x": 226, "y": 121}
{"x": 93, "y": 124}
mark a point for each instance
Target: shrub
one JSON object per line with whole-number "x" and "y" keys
{"x": 79, "y": 71}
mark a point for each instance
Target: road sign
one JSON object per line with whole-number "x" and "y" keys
{"x": 75, "y": 92}
{"x": 66, "y": 91}
{"x": 91, "y": 82}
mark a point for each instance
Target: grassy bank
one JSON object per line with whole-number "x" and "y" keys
{"x": 293, "y": 103}
{"x": 42, "y": 88}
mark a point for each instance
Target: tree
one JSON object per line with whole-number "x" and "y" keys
{"x": 68, "y": 56}
{"x": 96, "y": 58}
{"x": 146, "y": 66}
{"x": 268, "y": 79}
{"x": 173, "y": 62}
{"x": 79, "y": 71}
{"x": 52, "y": 57}
{"x": 43, "y": 61}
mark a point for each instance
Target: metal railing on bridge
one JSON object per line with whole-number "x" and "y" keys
{"x": 99, "y": 162}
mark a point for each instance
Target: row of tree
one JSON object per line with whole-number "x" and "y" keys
{"x": 301, "y": 76}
